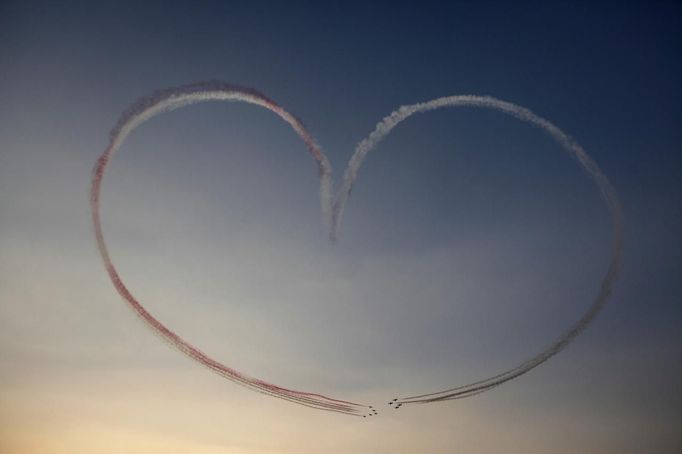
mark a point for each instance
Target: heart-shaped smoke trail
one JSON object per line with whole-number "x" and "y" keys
{"x": 173, "y": 98}
{"x": 608, "y": 194}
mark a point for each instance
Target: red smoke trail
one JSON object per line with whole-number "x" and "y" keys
{"x": 166, "y": 100}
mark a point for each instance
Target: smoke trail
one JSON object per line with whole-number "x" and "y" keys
{"x": 165, "y": 101}
{"x": 174, "y": 98}
{"x": 607, "y": 191}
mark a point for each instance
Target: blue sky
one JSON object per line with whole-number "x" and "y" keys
{"x": 470, "y": 242}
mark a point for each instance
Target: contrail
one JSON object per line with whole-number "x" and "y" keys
{"x": 607, "y": 191}
{"x": 165, "y": 101}
{"x": 174, "y": 98}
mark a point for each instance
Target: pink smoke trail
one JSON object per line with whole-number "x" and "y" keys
{"x": 167, "y": 100}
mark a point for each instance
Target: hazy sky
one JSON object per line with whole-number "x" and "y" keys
{"x": 470, "y": 242}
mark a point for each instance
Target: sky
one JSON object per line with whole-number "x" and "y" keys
{"x": 470, "y": 242}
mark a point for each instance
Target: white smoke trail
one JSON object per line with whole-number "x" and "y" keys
{"x": 607, "y": 191}
{"x": 168, "y": 100}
